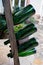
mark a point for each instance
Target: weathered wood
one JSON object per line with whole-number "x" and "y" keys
{"x": 9, "y": 20}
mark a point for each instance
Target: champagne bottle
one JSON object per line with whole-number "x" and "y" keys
{"x": 23, "y": 54}
{"x": 27, "y": 31}
{"x": 27, "y": 52}
{"x": 27, "y": 45}
{"x": 23, "y": 14}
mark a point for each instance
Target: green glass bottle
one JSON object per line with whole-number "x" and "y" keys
{"x": 23, "y": 54}
{"x": 27, "y": 52}
{"x": 26, "y": 31}
{"x": 23, "y": 14}
{"x": 27, "y": 45}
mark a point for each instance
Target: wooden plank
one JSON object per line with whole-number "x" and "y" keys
{"x": 9, "y": 20}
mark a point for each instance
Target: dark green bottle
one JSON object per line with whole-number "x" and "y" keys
{"x": 27, "y": 31}
{"x": 27, "y": 45}
{"x": 23, "y": 14}
{"x": 23, "y": 54}
{"x": 27, "y": 52}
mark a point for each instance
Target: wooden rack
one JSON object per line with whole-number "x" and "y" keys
{"x": 9, "y": 19}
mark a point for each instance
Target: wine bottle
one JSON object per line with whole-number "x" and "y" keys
{"x": 27, "y": 31}
{"x": 27, "y": 52}
{"x": 23, "y": 54}
{"x": 27, "y": 45}
{"x": 23, "y": 14}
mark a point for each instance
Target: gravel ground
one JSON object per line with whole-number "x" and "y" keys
{"x": 36, "y": 59}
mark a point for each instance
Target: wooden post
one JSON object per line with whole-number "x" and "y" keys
{"x": 9, "y": 20}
